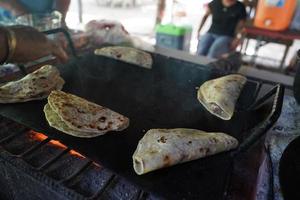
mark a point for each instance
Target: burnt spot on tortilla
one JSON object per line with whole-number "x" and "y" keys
{"x": 109, "y": 125}
{"x": 190, "y": 142}
{"x": 167, "y": 161}
{"x": 73, "y": 123}
{"x": 207, "y": 151}
{"x": 43, "y": 77}
{"x": 67, "y": 105}
{"x": 118, "y": 55}
{"x": 121, "y": 119}
{"x": 99, "y": 128}
{"x": 92, "y": 126}
{"x": 102, "y": 119}
{"x": 162, "y": 139}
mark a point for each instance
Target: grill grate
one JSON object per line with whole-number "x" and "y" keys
{"x": 63, "y": 166}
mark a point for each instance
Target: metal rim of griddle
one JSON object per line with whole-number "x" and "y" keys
{"x": 289, "y": 170}
{"x": 258, "y": 131}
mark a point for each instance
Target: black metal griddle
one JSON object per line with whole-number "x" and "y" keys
{"x": 162, "y": 97}
{"x": 289, "y": 170}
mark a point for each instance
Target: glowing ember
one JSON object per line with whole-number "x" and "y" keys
{"x": 37, "y": 136}
{"x": 75, "y": 153}
{"x": 58, "y": 144}
{"x": 40, "y": 137}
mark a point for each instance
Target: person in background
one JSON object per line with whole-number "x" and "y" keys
{"x": 224, "y": 34}
{"x": 16, "y": 45}
{"x": 21, "y": 7}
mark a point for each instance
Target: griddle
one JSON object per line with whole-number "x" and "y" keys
{"x": 162, "y": 97}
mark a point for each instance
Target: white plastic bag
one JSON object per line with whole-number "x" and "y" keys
{"x": 107, "y": 31}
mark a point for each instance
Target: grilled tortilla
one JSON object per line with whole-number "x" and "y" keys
{"x": 36, "y": 85}
{"x": 161, "y": 148}
{"x": 83, "y": 116}
{"x": 219, "y": 95}
{"x": 55, "y": 121}
{"x": 127, "y": 54}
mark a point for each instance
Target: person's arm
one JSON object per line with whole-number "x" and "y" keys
{"x": 204, "y": 18}
{"x": 63, "y": 6}
{"x": 238, "y": 35}
{"x": 13, "y": 6}
{"x": 30, "y": 45}
{"x": 239, "y": 28}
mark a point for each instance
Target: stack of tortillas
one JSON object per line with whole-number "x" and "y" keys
{"x": 34, "y": 86}
{"x": 78, "y": 117}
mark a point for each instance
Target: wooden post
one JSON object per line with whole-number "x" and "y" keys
{"x": 160, "y": 11}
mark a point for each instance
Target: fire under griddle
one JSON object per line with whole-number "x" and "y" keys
{"x": 161, "y": 97}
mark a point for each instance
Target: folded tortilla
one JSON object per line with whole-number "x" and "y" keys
{"x": 160, "y": 148}
{"x": 127, "y": 54}
{"x": 78, "y": 117}
{"x": 56, "y": 122}
{"x": 220, "y": 95}
{"x": 33, "y": 86}
{"x": 34, "y": 96}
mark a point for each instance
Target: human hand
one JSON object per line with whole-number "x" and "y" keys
{"x": 32, "y": 45}
{"x": 235, "y": 43}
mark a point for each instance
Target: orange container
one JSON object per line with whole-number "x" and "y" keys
{"x": 274, "y": 15}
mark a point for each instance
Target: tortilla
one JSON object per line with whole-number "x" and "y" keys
{"x": 40, "y": 80}
{"x": 84, "y": 116}
{"x": 42, "y": 95}
{"x": 220, "y": 95}
{"x": 160, "y": 148}
{"x": 127, "y": 54}
{"x": 55, "y": 121}
{"x": 34, "y": 86}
